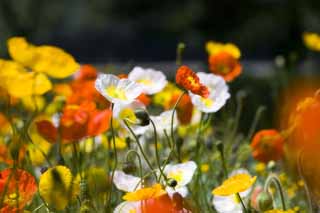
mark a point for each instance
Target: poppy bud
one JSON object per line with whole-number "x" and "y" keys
{"x": 143, "y": 117}
{"x": 172, "y": 182}
{"x": 265, "y": 201}
{"x": 271, "y": 165}
{"x": 129, "y": 167}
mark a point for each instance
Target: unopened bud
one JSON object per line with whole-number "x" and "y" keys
{"x": 129, "y": 167}
{"x": 172, "y": 182}
{"x": 143, "y": 117}
{"x": 264, "y": 201}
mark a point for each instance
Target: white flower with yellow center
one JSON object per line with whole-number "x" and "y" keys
{"x": 121, "y": 91}
{"x": 231, "y": 204}
{"x": 218, "y": 93}
{"x": 151, "y": 81}
{"x": 182, "y": 173}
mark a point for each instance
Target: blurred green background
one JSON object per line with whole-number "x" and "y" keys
{"x": 98, "y": 31}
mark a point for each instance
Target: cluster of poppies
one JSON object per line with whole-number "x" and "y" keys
{"x": 75, "y": 139}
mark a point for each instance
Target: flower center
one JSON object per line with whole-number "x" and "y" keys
{"x": 176, "y": 175}
{"x": 207, "y": 102}
{"x": 145, "y": 82}
{"x": 116, "y": 93}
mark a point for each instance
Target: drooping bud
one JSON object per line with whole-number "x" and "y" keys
{"x": 172, "y": 182}
{"x": 265, "y": 201}
{"x": 143, "y": 117}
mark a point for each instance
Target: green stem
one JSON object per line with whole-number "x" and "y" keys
{"x": 275, "y": 180}
{"x": 139, "y": 159}
{"x": 115, "y": 156}
{"x": 242, "y": 203}
{"x": 139, "y": 145}
{"x": 157, "y": 152}
{"x": 172, "y": 119}
{"x": 180, "y": 48}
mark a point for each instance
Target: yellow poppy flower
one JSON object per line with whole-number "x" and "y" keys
{"x": 216, "y": 47}
{"x": 40, "y": 147}
{"x": 311, "y": 40}
{"x": 58, "y": 187}
{"x": 18, "y": 82}
{"x": 235, "y": 184}
{"x": 145, "y": 193}
{"x": 51, "y": 60}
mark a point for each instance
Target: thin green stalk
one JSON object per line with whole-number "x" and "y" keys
{"x": 115, "y": 156}
{"x": 275, "y": 180}
{"x": 139, "y": 159}
{"x": 180, "y": 48}
{"x": 172, "y": 119}
{"x": 256, "y": 119}
{"x": 139, "y": 145}
{"x": 157, "y": 152}
{"x": 242, "y": 203}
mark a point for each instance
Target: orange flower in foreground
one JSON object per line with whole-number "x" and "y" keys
{"x": 189, "y": 80}
{"x": 267, "y": 145}
{"x": 225, "y": 65}
{"x": 76, "y": 122}
{"x": 164, "y": 204}
{"x": 19, "y": 187}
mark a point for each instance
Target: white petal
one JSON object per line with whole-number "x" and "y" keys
{"x": 186, "y": 171}
{"x": 218, "y": 93}
{"x": 127, "y": 207}
{"x": 124, "y": 182}
{"x": 154, "y": 80}
{"x": 130, "y": 88}
{"x": 226, "y": 204}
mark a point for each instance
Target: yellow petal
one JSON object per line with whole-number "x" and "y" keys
{"x": 235, "y": 184}
{"x": 28, "y": 84}
{"x": 51, "y": 60}
{"x": 216, "y": 47}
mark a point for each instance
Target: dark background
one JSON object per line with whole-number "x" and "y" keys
{"x": 99, "y": 31}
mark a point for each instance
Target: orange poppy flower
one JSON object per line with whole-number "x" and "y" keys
{"x": 184, "y": 108}
{"x": 19, "y": 187}
{"x": 267, "y": 145}
{"x": 189, "y": 80}
{"x": 86, "y": 72}
{"x": 225, "y": 65}
{"x": 76, "y": 122}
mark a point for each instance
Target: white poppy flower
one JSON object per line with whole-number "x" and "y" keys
{"x": 218, "y": 93}
{"x": 151, "y": 81}
{"x": 231, "y": 204}
{"x": 183, "y": 174}
{"x": 128, "y": 207}
{"x": 121, "y": 111}
{"x": 122, "y": 91}
{"x": 163, "y": 122}
{"x": 126, "y": 183}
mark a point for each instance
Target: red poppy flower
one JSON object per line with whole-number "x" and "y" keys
{"x": 76, "y": 122}
{"x": 189, "y": 80}
{"x": 165, "y": 204}
{"x": 267, "y": 145}
{"x": 18, "y": 188}
{"x": 225, "y": 65}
